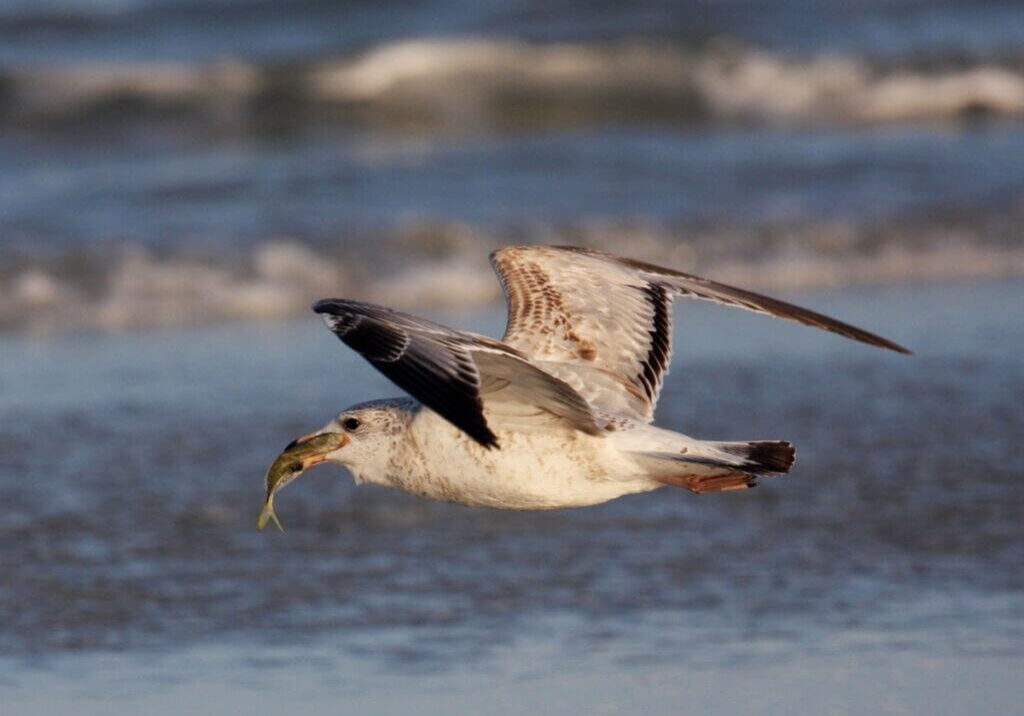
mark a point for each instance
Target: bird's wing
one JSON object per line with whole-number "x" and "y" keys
{"x": 604, "y": 324}
{"x": 456, "y": 374}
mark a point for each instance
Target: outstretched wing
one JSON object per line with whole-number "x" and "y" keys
{"x": 456, "y": 374}
{"x": 604, "y": 324}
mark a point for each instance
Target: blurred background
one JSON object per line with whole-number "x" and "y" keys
{"x": 166, "y": 162}
{"x": 180, "y": 179}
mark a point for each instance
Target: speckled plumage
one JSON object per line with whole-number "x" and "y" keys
{"x": 557, "y": 414}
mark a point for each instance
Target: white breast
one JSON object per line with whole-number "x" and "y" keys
{"x": 530, "y": 470}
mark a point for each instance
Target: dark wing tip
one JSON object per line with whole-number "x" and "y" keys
{"x": 897, "y": 347}
{"x": 425, "y": 366}
{"x": 857, "y": 334}
{"x": 326, "y": 305}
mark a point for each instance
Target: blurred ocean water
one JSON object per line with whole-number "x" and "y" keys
{"x": 134, "y": 574}
{"x": 172, "y": 162}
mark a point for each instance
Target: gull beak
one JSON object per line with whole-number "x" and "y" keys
{"x": 300, "y": 455}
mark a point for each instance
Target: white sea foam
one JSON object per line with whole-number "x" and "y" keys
{"x": 142, "y": 290}
{"x": 451, "y": 80}
{"x": 754, "y": 83}
{"x": 434, "y": 265}
{"x": 483, "y": 83}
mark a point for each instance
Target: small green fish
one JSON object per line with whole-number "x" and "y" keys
{"x": 298, "y": 457}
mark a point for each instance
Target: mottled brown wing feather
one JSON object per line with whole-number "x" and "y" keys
{"x": 614, "y": 315}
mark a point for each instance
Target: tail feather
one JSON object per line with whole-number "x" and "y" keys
{"x": 718, "y": 466}
{"x": 776, "y": 456}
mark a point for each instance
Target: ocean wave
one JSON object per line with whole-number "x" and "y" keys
{"x": 494, "y": 84}
{"x": 444, "y": 265}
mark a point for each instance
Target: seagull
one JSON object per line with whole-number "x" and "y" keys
{"x": 559, "y": 412}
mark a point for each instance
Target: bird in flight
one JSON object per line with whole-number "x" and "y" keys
{"x": 558, "y": 412}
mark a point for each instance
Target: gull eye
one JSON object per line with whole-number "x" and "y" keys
{"x": 351, "y": 424}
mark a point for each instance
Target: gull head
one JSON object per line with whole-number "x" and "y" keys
{"x": 360, "y": 439}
